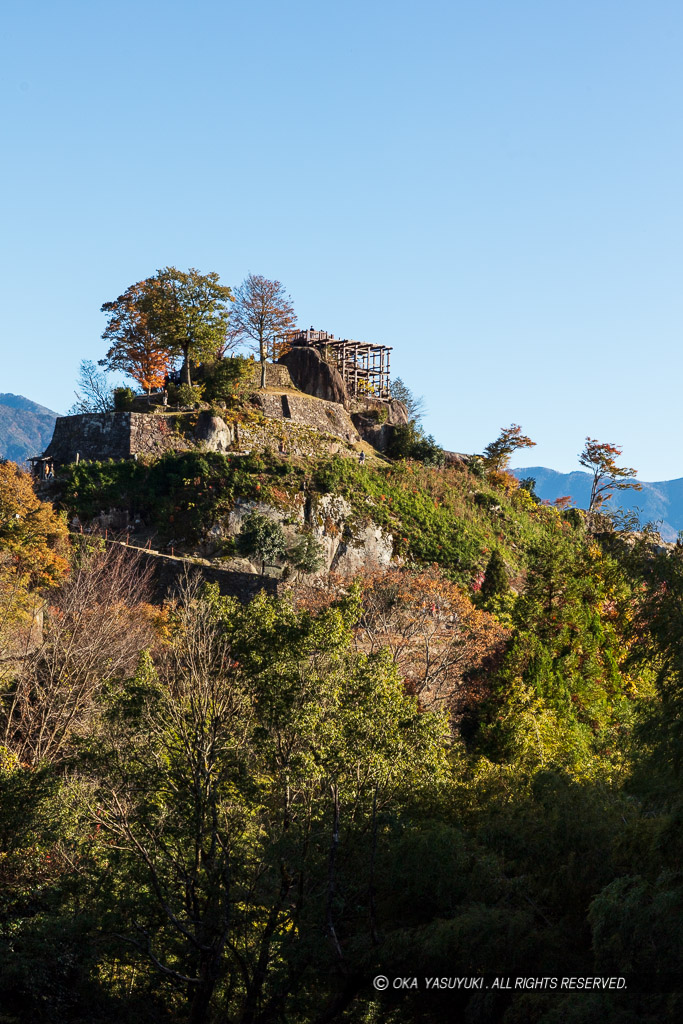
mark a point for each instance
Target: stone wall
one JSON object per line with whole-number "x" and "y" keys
{"x": 91, "y": 436}
{"x": 277, "y": 376}
{"x": 123, "y": 435}
{"x": 112, "y": 435}
{"x": 304, "y": 410}
{"x": 168, "y": 572}
{"x": 305, "y": 424}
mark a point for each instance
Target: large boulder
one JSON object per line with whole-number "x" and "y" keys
{"x": 314, "y": 376}
{"x": 214, "y": 432}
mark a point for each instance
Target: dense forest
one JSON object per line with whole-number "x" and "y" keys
{"x": 465, "y": 766}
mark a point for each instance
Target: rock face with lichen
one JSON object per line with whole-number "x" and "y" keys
{"x": 376, "y": 421}
{"x": 214, "y": 432}
{"x": 314, "y": 376}
{"x": 349, "y": 545}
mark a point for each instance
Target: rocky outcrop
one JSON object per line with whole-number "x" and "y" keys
{"x": 349, "y": 545}
{"x": 312, "y": 375}
{"x": 376, "y": 420}
{"x": 457, "y": 459}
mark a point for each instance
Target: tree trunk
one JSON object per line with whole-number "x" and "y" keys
{"x": 201, "y": 1000}
{"x": 185, "y": 369}
{"x": 331, "y": 879}
{"x": 262, "y": 357}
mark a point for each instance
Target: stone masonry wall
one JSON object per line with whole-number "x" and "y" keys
{"x": 304, "y": 410}
{"x": 168, "y": 573}
{"x": 113, "y": 435}
{"x": 277, "y": 376}
{"x": 122, "y": 435}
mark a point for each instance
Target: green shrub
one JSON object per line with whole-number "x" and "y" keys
{"x": 227, "y": 379}
{"x": 123, "y": 399}
{"x": 190, "y": 394}
{"x": 408, "y": 441}
{"x": 261, "y": 537}
{"x": 307, "y": 555}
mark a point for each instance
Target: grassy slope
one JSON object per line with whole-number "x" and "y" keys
{"x": 445, "y": 516}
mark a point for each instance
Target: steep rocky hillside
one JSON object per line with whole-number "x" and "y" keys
{"x": 194, "y": 501}
{"x": 25, "y": 427}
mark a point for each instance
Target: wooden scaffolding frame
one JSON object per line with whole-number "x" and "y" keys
{"x": 365, "y": 368}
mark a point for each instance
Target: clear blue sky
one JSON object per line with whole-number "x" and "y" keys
{"x": 492, "y": 188}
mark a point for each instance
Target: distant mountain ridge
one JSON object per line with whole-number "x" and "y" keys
{"x": 25, "y": 427}
{"x": 661, "y": 500}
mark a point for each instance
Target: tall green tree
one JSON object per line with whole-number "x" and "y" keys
{"x": 261, "y": 537}
{"x": 243, "y": 776}
{"x": 415, "y": 404}
{"x": 188, "y": 313}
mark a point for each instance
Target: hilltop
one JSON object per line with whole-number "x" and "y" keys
{"x": 25, "y": 427}
{"x": 181, "y": 481}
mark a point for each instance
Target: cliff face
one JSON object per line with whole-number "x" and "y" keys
{"x": 349, "y": 544}
{"x": 376, "y": 421}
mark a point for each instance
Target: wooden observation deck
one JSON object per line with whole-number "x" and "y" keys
{"x": 364, "y": 367}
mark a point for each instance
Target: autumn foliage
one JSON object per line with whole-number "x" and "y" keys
{"x": 135, "y": 349}
{"x": 497, "y": 454}
{"x": 33, "y": 538}
{"x": 601, "y": 459}
{"x": 435, "y": 636}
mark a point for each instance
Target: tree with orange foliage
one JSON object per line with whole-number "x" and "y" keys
{"x": 435, "y": 635}
{"x": 33, "y": 538}
{"x": 135, "y": 349}
{"x": 600, "y": 458}
{"x": 496, "y": 456}
{"x": 33, "y": 546}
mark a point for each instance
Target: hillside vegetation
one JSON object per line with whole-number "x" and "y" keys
{"x": 463, "y": 764}
{"x": 435, "y": 515}
{"x": 660, "y": 503}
